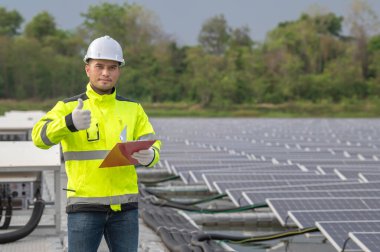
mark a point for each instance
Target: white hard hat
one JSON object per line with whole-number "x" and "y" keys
{"x": 105, "y": 48}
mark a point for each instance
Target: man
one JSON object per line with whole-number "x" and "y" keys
{"x": 100, "y": 201}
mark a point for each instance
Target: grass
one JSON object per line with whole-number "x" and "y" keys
{"x": 299, "y": 109}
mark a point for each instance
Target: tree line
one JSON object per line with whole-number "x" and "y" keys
{"x": 305, "y": 59}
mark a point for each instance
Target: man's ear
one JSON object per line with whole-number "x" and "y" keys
{"x": 87, "y": 69}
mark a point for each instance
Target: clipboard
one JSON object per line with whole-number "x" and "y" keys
{"x": 120, "y": 155}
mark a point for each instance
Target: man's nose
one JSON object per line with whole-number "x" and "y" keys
{"x": 105, "y": 72}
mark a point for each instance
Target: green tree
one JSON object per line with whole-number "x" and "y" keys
{"x": 130, "y": 24}
{"x": 204, "y": 76}
{"x": 214, "y": 35}
{"x": 240, "y": 37}
{"x": 5, "y": 67}
{"x": 363, "y": 22}
{"x": 105, "y": 19}
{"x": 41, "y": 26}
{"x": 10, "y": 22}
{"x": 374, "y": 66}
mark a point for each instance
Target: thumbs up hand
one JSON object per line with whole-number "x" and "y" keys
{"x": 81, "y": 118}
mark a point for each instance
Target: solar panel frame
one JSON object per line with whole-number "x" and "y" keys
{"x": 280, "y": 207}
{"x": 267, "y": 168}
{"x": 235, "y": 193}
{"x": 321, "y": 164}
{"x": 369, "y": 177}
{"x": 328, "y": 169}
{"x": 172, "y": 163}
{"x": 261, "y": 196}
{"x": 366, "y": 241}
{"x": 337, "y": 232}
{"x": 342, "y": 185}
{"x": 209, "y": 179}
{"x": 183, "y": 171}
{"x": 307, "y": 218}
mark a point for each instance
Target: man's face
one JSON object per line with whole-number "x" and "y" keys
{"x": 103, "y": 75}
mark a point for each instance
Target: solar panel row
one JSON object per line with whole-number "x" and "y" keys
{"x": 344, "y": 153}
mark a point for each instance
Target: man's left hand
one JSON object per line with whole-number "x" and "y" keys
{"x": 144, "y": 157}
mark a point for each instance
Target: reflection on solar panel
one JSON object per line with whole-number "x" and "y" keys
{"x": 337, "y": 232}
{"x": 307, "y": 218}
{"x": 257, "y": 197}
{"x": 367, "y": 241}
{"x": 280, "y": 207}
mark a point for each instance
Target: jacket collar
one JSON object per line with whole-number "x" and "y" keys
{"x": 102, "y": 98}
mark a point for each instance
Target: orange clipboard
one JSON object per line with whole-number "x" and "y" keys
{"x": 120, "y": 155}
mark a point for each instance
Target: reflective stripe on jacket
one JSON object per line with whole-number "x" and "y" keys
{"x": 84, "y": 150}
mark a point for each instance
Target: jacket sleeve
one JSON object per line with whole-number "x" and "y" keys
{"x": 144, "y": 131}
{"x": 53, "y": 127}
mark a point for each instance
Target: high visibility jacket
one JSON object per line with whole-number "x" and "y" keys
{"x": 84, "y": 150}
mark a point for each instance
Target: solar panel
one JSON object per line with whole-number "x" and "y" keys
{"x": 355, "y": 193}
{"x": 351, "y": 174}
{"x": 196, "y": 174}
{"x": 181, "y": 162}
{"x": 280, "y": 207}
{"x": 367, "y": 241}
{"x": 369, "y": 177}
{"x": 328, "y": 169}
{"x": 235, "y": 194}
{"x": 196, "y": 167}
{"x": 307, "y": 218}
{"x": 184, "y": 170}
{"x": 211, "y": 178}
{"x": 258, "y": 197}
{"x": 261, "y": 196}
{"x": 333, "y": 186}
{"x": 247, "y": 185}
{"x": 337, "y": 232}
{"x": 327, "y": 164}
{"x": 373, "y": 204}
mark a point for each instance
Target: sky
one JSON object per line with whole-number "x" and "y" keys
{"x": 183, "y": 19}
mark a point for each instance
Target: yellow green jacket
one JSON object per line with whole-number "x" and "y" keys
{"x": 84, "y": 150}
